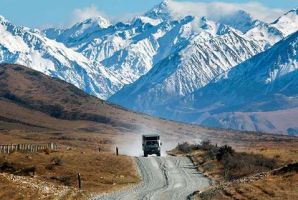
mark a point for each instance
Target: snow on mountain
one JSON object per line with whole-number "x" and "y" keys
{"x": 130, "y": 50}
{"x": 160, "y": 12}
{"x": 265, "y": 34}
{"x": 287, "y": 23}
{"x": 126, "y": 49}
{"x": 148, "y": 48}
{"x": 78, "y": 31}
{"x": 186, "y": 70}
{"x": 269, "y": 34}
{"x": 31, "y": 48}
{"x": 260, "y": 94}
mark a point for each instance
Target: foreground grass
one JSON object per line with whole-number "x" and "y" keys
{"x": 100, "y": 172}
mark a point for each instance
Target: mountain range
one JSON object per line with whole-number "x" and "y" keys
{"x": 160, "y": 64}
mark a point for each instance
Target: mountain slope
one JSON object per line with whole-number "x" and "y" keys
{"x": 185, "y": 71}
{"x": 29, "y": 47}
{"x": 270, "y": 33}
{"x": 260, "y": 94}
{"x": 130, "y": 50}
{"x": 288, "y": 23}
{"x": 36, "y": 107}
{"x": 100, "y": 57}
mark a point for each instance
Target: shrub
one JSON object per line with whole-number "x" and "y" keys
{"x": 7, "y": 167}
{"x": 47, "y": 151}
{"x": 224, "y": 151}
{"x": 237, "y": 165}
{"x": 28, "y": 171}
{"x": 206, "y": 145}
{"x": 184, "y": 147}
{"x": 57, "y": 161}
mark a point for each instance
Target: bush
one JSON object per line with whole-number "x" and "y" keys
{"x": 235, "y": 164}
{"x": 28, "y": 171}
{"x": 47, "y": 151}
{"x": 224, "y": 151}
{"x": 57, "y": 161}
{"x": 184, "y": 147}
{"x": 7, "y": 167}
{"x": 206, "y": 145}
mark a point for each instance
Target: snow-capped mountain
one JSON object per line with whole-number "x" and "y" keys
{"x": 205, "y": 57}
{"x": 260, "y": 94}
{"x": 160, "y": 12}
{"x": 287, "y": 23}
{"x": 31, "y": 48}
{"x": 187, "y": 70}
{"x": 130, "y": 50}
{"x": 78, "y": 31}
{"x": 150, "y": 62}
{"x": 268, "y": 34}
{"x": 127, "y": 49}
{"x": 265, "y": 34}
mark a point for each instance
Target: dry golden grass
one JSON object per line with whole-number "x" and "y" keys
{"x": 278, "y": 187}
{"x": 100, "y": 172}
{"x": 27, "y": 188}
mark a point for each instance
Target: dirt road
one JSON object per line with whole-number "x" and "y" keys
{"x": 163, "y": 178}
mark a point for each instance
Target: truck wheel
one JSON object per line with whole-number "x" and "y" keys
{"x": 158, "y": 154}
{"x": 145, "y": 154}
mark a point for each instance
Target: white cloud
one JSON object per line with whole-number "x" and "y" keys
{"x": 91, "y": 11}
{"x": 85, "y": 13}
{"x": 216, "y": 10}
{"x": 213, "y": 10}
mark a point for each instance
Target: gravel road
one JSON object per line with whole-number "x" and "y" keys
{"x": 163, "y": 178}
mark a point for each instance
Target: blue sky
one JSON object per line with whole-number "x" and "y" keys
{"x": 42, "y": 13}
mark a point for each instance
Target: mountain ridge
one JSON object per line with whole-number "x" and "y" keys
{"x": 159, "y": 56}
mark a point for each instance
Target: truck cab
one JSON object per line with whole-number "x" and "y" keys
{"x": 151, "y": 144}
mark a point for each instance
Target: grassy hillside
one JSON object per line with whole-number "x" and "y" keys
{"x": 35, "y": 108}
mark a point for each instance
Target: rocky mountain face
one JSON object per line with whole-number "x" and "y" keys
{"x": 186, "y": 70}
{"x": 149, "y": 63}
{"x": 259, "y": 94}
{"x": 194, "y": 67}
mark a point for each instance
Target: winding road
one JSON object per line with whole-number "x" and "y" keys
{"x": 163, "y": 178}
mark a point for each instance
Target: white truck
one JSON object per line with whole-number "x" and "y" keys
{"x": 151, "y": 144}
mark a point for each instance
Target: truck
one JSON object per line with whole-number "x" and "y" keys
{"x": 151, "y": 144}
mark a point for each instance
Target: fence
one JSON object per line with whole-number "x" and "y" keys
{"x": 26, "y": 147}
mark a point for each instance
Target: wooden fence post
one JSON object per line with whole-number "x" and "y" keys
{"x": 79, "y": 181}
{"x": 117, "y": 151}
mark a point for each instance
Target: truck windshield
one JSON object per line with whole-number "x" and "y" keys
{"x": 151, "y": 143}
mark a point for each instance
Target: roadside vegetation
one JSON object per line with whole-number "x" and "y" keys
{"x": 242, "y": 175}
{"x": 229, "y": 164}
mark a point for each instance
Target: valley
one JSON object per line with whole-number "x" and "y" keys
{"x": 219, "y": 91}
{"x": 87, "y": 130}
